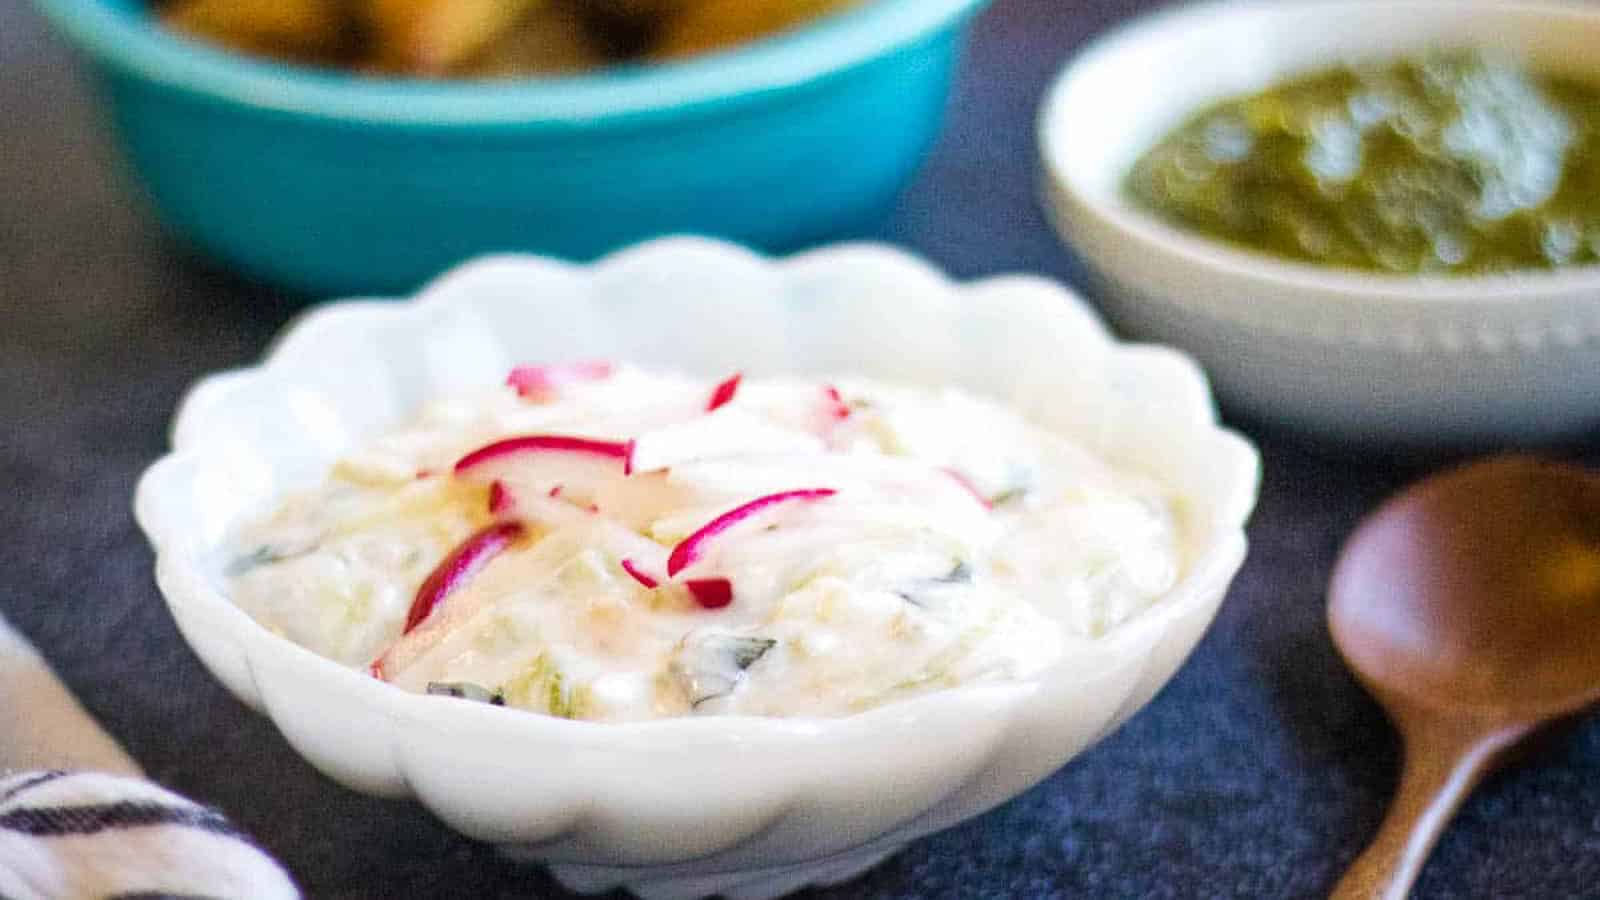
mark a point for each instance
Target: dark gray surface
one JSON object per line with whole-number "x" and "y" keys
{"x": 1257, "y": 773}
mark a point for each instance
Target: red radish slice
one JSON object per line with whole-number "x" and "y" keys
{"x": 710, "y": 593}
{"x": 692, "y": 547}
{"x": 833, "y": 411}
{"x": 723, "y": 393}
{"x": 500, "y": 499}
{"x": 837, "y": 408}
{"x": 540, "y": 380}
{"x": 540, "y": 443}
{"x": 639, "y": 575}
{"x": 967, "y": 485}
{"x": 458, "y": 567}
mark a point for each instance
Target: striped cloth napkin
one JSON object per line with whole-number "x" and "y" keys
{"x": 77, "y": 820}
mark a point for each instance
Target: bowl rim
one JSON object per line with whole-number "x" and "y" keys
{"x": 125, "y": 38}
{"x": 1186, "y": 248}
{"x": 183, "y": 585}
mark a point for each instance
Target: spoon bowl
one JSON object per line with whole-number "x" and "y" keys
{"x": 1469, "y": 605}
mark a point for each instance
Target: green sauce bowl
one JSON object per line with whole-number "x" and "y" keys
{"x": 1362, "y": 361}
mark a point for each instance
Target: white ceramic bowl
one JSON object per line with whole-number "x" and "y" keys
{"x": 747, "y": 807}
{"x": 1381, "y": 359}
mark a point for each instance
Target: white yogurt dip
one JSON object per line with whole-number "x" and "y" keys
{"x": 608, "y": 543}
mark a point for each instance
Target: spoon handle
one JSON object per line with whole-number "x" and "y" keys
{"x": 1444, "y": 761}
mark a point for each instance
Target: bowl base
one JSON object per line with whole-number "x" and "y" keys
{"x": 685, "y": 881}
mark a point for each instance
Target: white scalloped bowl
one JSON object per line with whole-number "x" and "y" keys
{"x": 742, "y": 806}
{"x": 1378, "y": 359}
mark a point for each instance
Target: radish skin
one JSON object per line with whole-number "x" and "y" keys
{"x": 540, "y": 443}
{"x": 967, "y": 485}
{"x": 458, "y": 567}
{"x": 541, "y": 381}
{"x": 710, "y": 593}
{"x": 692, "y": 547}
{"x": 639, "y": 575}
{"x": 722, "y": 395}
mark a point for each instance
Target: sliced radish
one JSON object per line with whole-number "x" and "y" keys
{"x": 500, "y": 499}
{"x": 710, "y": 593}
{"x": 457, "y": 568}
{"x": 831, "y": 412}
{"x": 639, "y": 575}
{"x": 541, "y": 381}
{"x": 837, "y": 408}
{"x": 723, "y": 393}
{"x": 693, "y": 547}
{"x": 541, "y": 443}
{"x": 966, "y": 484}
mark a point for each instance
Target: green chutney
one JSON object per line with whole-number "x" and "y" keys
{"x": 1445, "y": 164}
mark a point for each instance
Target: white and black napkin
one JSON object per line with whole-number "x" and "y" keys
{"x": 78, "y": 820}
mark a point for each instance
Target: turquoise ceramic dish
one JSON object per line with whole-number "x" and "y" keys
{"x": 336, "y": 184}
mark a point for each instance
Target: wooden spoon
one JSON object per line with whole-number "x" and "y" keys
{"x": 1469, "y": 605}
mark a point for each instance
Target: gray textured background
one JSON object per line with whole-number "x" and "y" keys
{"x": 1257, "y": 773}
